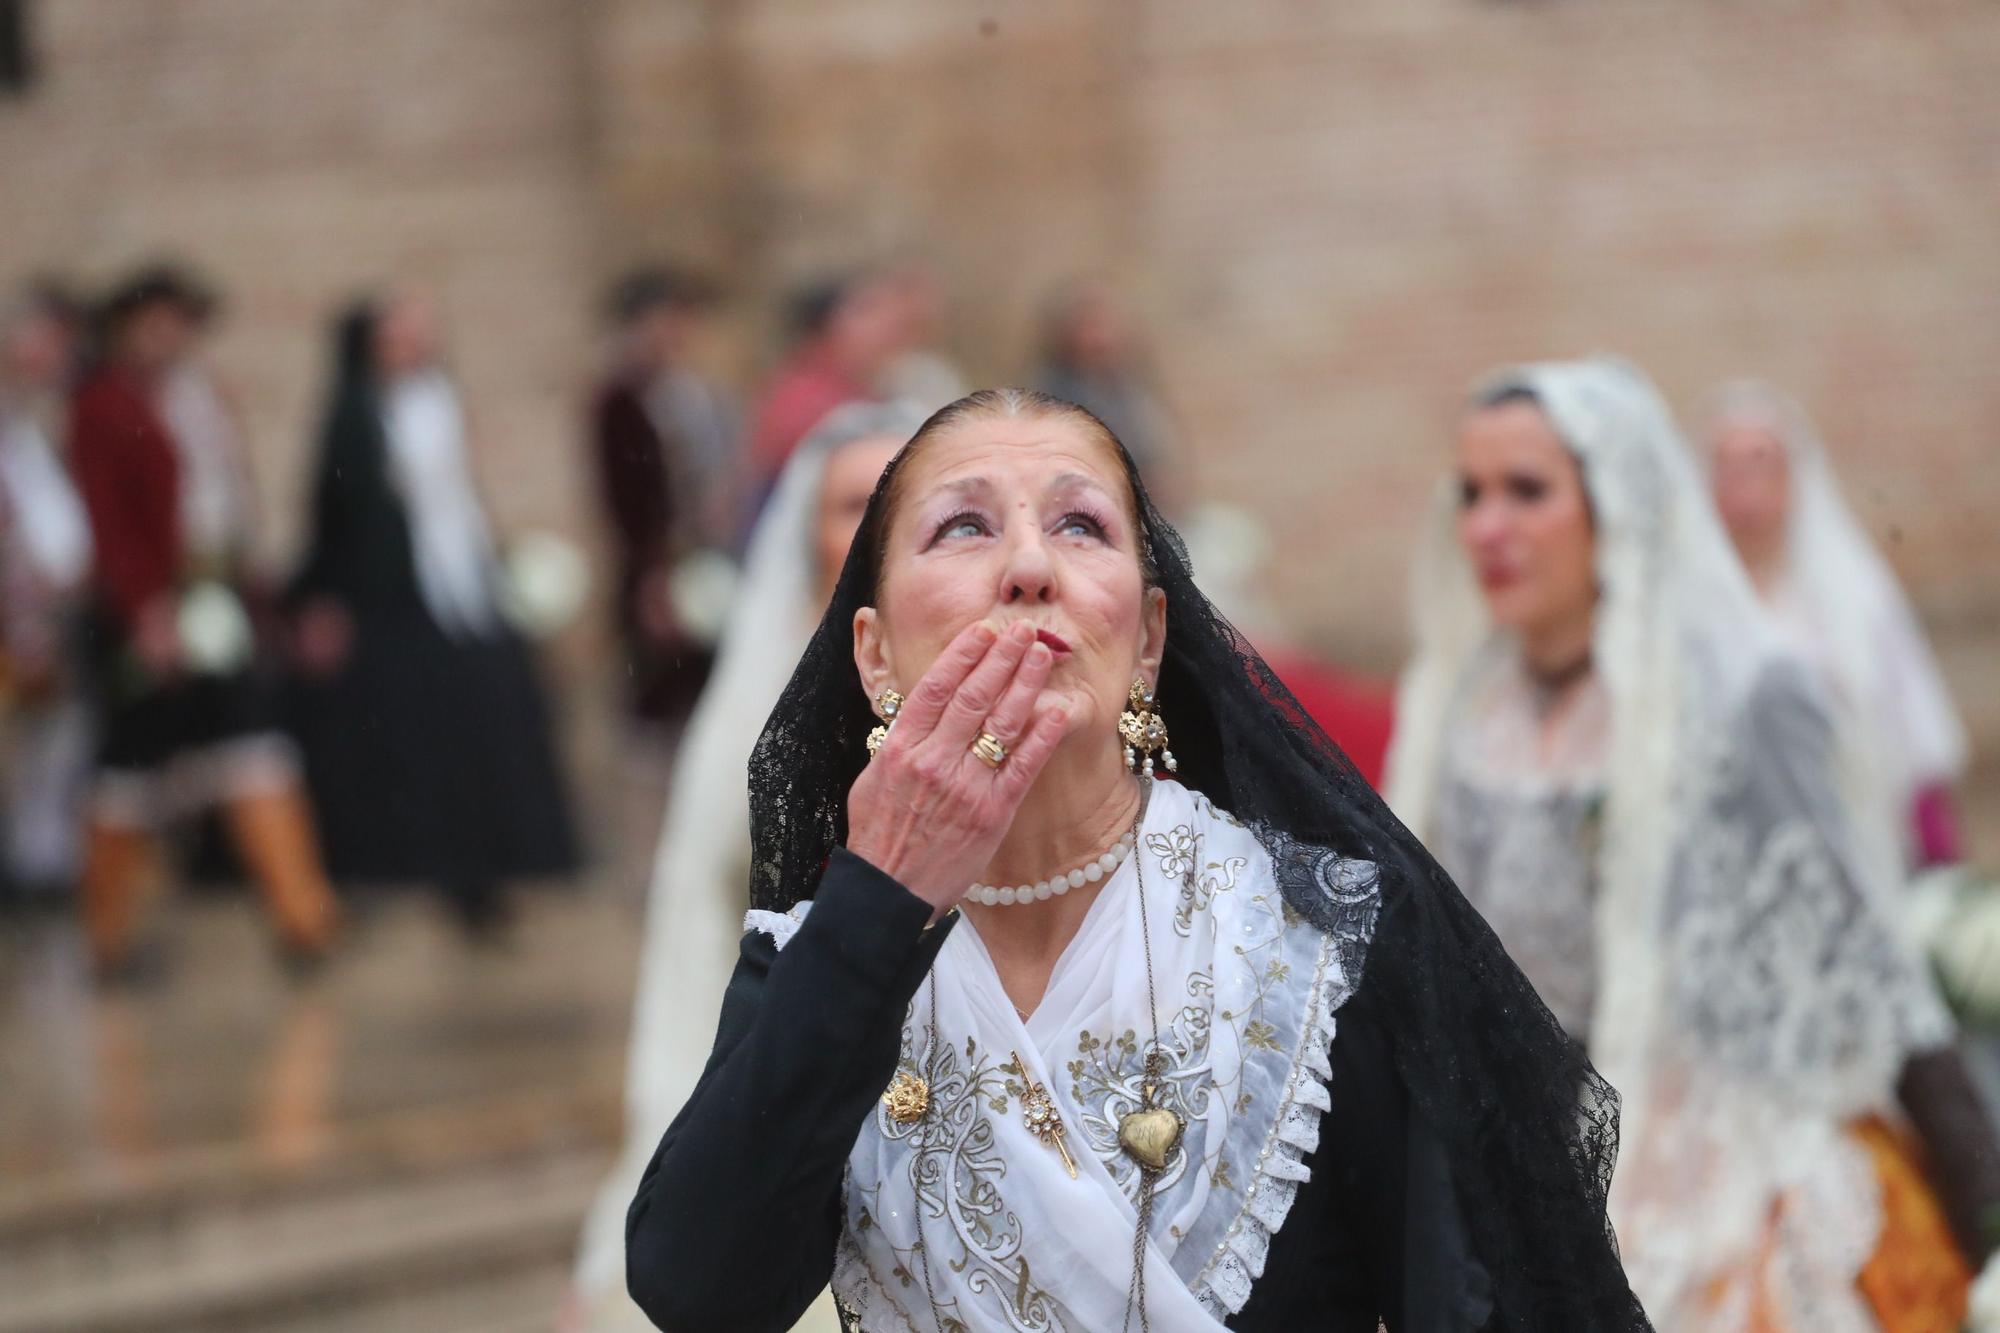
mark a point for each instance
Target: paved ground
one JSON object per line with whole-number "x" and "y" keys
{"x": 405, "y": 1141}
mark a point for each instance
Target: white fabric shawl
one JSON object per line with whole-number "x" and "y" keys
{"x": 1246, "y": 992}
{"x": 448, "y": 534}
{"x": 214, "y": 489}
{"x": 1753, "y": 996}
{"x": 47, "y": 526}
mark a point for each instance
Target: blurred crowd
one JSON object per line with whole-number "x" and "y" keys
{"x": 374, "y": 713}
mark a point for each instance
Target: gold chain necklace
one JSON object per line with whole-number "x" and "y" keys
{"x": 1149, "y": 1136}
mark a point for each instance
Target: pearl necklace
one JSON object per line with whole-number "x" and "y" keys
{"x": 1043, "y": 890}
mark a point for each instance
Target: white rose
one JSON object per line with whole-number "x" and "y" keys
{"x": 1983, "y": 1316}
{"x": 215, "y": 630}
{"x": 543, "y": 583}
{"x": 701, "y": 587}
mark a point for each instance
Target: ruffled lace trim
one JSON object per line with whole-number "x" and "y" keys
{"x": 860, "y": 1295}
{"x": 780, "y": 926}
{"x": 1223, "y": 1285}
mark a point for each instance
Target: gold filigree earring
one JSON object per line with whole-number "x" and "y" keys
{"x": 1144, "y": 733}
{"x": 887, "y": 704}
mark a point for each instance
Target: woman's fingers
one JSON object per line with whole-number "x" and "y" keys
{"x": 928, "y": 699}
{"x": 981, "y": 690}
{"x": 1010, "y": 717}
{"x": 1024, "y": 765}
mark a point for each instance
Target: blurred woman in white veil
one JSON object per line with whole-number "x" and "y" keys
{"x": 1604, "y": 742}
{"x": 1838, "y": 603}
{"x": 694, "y": 916}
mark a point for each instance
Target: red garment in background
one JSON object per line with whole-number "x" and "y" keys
{"x": 1934, "y": 818}
{"x": 1357, "y": 712}
{"x": 128, "y": 473}
{"x": 804, "y": 389}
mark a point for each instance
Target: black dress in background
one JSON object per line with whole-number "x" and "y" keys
{"x": 637, "y": 487}
{"x": 429, "y": 753}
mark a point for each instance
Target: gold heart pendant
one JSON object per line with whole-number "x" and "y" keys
{"x": 1149, "y": 1137}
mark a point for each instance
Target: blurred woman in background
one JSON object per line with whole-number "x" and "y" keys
{"x": 1604, "y": 743}
{"x": 1838, "y": 604}
{"x": 426, "y": 733}
{"x": 844, "y": 333}
{"x": 694, "y": 916}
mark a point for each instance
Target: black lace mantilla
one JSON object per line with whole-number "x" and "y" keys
{"x": 1530, "y": 1129}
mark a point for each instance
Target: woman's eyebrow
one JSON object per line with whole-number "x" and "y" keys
{"x": 961, "y": 486}
{"x": 1070, "y": 479}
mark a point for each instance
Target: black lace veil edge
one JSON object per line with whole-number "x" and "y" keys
{"x": 1530, "y": 1129}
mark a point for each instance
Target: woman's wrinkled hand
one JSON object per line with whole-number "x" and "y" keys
{"x": 928, "y": 811}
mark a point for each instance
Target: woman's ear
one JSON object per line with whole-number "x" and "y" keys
{"x": 871, "y": 654}
{"x": 1153, "y": 634}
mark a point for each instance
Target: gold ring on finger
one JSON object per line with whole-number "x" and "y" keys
{"x": 990, "y": 750}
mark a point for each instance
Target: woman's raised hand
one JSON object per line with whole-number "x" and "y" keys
{"x": 928, "y": 811}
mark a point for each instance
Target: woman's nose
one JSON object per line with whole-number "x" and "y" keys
{"x": 1030, "y": 575}
{"x": 1485, "y": 526}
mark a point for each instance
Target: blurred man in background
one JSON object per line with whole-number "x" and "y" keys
{"x": 667, "y": 451}
{"x": 189, "y": 709}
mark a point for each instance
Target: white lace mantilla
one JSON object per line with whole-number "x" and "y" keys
{"x": 1248, "y": 994}
{"x": 1750, "y": 992}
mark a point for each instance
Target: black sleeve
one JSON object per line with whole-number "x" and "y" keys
{"x": 1397, "y": 1188}
{"x": 1937, "y": 1091}
{"x": 734, "y": 1224}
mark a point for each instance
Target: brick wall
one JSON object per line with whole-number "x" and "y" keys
{"x": 1339, "y": 215}
{"x": 1335, "y": 216}
{"x": 298, "y": 153}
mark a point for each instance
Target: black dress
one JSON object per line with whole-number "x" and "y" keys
{"x": 736, "y": 1218}
{"x": 429, "y": 754}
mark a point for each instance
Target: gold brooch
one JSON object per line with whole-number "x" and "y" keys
{"x": 907, "y": 1098}
{"x": 1038, "y": 1112}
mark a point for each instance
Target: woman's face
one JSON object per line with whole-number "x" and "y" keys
{"x": 1007, "y": 519}
{"x": 1751, "y": 479}
{"x": 851, "y": 473}
{"x": 1524, "y": 519}
{"x": 406, "y": 334}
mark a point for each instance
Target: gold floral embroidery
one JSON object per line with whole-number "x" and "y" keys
{"x": 956, "y": 1173}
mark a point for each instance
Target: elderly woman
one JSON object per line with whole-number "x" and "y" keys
{"x": 1837, "y": 601}
{"x": 695, "y": 911}
{"x": 1047, "y": 1039}
{"x": 1604, "y": 743}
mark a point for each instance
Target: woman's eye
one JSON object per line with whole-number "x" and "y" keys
{"x": 1527, "y": 489}
{"x": 960, "y": 525}
{"x": 1468, "y": 493}
{"x": 1079, "y": 525}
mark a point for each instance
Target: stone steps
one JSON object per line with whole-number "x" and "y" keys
{"x": 442, "y": 1219}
